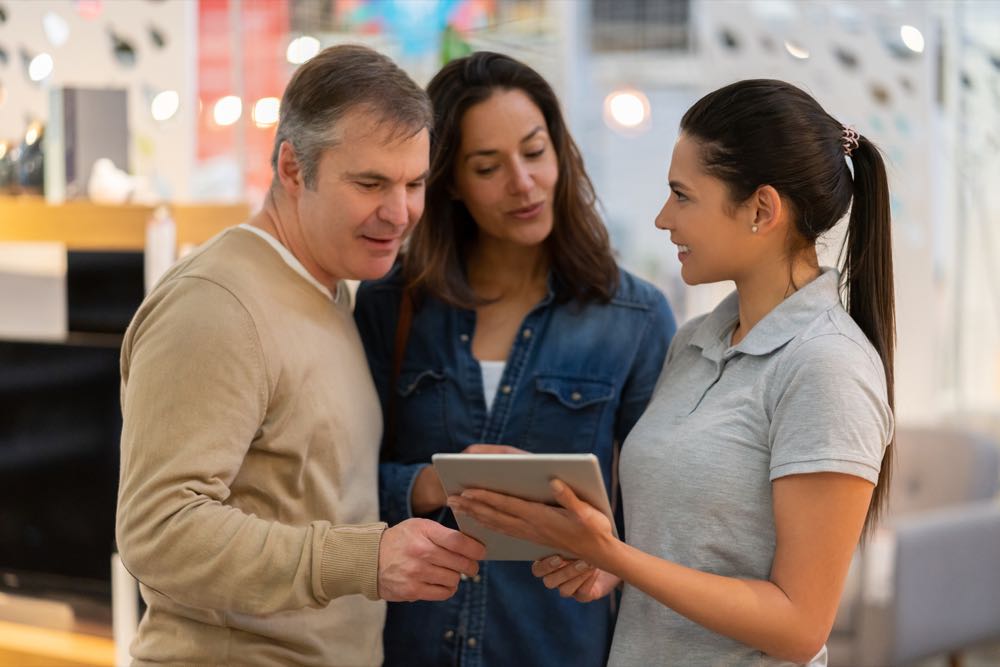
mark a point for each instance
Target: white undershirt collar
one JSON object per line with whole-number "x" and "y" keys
{"x": 292, "y": 261}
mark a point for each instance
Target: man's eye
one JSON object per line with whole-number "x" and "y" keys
{"x": 367, "y": 185}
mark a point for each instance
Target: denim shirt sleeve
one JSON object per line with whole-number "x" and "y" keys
{"x": 638, "y": 388}
{"x": 376, "y": 312}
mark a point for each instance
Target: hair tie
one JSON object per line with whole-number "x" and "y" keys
{"x": 850, "y": 138}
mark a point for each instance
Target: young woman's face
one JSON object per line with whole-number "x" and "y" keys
{"x": 506, "y": 169}
{"x": 709, "y": 230}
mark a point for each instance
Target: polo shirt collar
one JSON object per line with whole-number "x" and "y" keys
{"x": 787, "y": 320}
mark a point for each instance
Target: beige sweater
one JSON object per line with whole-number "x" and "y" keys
{"x": 248, "y": 504}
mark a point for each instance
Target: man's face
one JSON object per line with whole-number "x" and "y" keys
{"x": 368, "y": 194}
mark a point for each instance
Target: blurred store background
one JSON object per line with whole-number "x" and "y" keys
{"x": 132, "y": 130}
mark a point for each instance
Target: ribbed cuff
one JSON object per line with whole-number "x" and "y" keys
{"x": 350, "y": 560}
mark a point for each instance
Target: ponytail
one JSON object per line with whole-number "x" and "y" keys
{"x": 868, "y": 283}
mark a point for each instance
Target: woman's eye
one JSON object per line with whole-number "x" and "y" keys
{"x": 535, "y": 154}
{"x": 485, "y": 171}
{"x": 680, "y": 196}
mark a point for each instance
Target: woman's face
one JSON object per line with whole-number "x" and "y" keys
{"x": 506, "y": 169}
{"x": 709, "y": 230}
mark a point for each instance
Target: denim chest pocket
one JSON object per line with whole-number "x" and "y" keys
{"x": 566, "y": 412}
{"x": 421, "y": 426}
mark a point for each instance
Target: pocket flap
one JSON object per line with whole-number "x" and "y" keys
{"x": 575, "y": 393}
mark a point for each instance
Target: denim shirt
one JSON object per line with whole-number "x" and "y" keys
{"x": 576, "y": 380}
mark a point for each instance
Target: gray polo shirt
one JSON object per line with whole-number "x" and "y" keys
{"x": 803, "y": 392}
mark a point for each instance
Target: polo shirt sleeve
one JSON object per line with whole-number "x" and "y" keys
{"x": 829, "y": 410}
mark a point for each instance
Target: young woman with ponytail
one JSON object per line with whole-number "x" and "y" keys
{"x": 763, "y": 455}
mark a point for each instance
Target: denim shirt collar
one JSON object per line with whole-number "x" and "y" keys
{"x": 783, "y": 323}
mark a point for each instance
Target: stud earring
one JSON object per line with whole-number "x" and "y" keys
{"x": 753, "y": 228}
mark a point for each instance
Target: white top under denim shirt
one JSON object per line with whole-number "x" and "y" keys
{"x": 803, "y": 392}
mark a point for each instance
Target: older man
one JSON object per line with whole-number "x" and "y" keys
{"x": 248, "y": 502}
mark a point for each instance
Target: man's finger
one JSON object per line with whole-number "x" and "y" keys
{"x": 435, "y": 575}
{"x": 453, "y": 561}
{"x": 456, "y": 542}
{"x": 434, "y": 593}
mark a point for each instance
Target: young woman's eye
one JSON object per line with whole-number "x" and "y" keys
{"x": 535, "y": 154}
{"x": 485, "y": 171}
{"x": 680, "y": 196}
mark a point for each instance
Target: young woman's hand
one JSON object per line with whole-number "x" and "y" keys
{"x": 428, "y": 494}
{"x": 573, "y": 528}
{"x": 574, "y": 578}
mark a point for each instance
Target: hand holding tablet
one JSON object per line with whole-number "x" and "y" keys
{"x": 527, "y": 477}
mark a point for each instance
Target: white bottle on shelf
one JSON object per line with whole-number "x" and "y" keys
{"x": 161, "y": 246}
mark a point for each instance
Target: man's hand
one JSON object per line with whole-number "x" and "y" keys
{"x": 428, "y": 495}
{"x": 422, "y": 560}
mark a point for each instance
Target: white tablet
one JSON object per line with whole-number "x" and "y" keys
{"x": 525, "y": 476}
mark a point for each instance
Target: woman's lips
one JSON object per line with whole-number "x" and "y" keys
{"x": 527, "y": 212}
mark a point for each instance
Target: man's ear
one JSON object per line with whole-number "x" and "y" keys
{"x": 289, "y": 171}
{"x": 768, "y": 210}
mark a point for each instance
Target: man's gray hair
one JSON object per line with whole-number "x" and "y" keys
{"x": 335, "y": 81}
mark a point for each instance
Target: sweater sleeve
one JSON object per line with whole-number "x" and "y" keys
{"x": 194, "y": 395}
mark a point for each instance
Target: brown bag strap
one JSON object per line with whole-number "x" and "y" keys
{"x": 403, "y": 324}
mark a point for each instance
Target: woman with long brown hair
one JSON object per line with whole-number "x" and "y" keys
{"x": 764, "y": 451}
{"x": 513, "y": 325}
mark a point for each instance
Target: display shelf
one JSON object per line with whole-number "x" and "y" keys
{"x": 83, "y": 225}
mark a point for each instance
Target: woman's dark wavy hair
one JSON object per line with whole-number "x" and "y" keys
{"x": 578, "y": 247}
{"x": 765, "y": 132}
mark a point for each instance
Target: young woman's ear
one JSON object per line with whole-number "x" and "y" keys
{"x": 767, "y": 209}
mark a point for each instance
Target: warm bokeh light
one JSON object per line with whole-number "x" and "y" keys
{"x": 227, "y": 110}
{"x": 627, "y": 109}
{"x": 302, "y": 49}
{"x": 265, "y": 111}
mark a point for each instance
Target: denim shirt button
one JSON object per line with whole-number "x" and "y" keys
{"x": 505, "y": 389}
{"x": 449, "y": 634}
{"x": 464, "y": 338}
{"x": 472, "y": 642}
{"x": 476, "y": 579}
{"x": 463, "y": 576}
{"x": 526, "y": 333}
